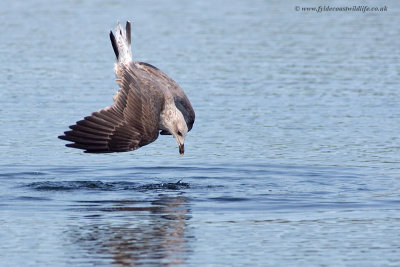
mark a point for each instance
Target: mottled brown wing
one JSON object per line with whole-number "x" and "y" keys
{"x": 131, "y": 122}
{"x": 181, "y": 100}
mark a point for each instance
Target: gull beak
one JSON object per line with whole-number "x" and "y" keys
{"x": 181, "y": 149}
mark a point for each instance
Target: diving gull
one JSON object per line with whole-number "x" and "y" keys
{"x": 147, "y": 104}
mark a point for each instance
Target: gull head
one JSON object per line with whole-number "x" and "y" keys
{"x": 179, "y": 132}
{"x": 173, "y": 121}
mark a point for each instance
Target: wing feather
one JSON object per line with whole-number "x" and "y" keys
{"x": 131, "y": 122}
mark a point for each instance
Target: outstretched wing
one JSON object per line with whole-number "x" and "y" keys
{"x": 131, "y": 122}
{"x": 181, "y": 100}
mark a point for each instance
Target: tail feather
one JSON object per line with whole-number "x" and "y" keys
{"x": 121, "y": 43}
{"x": 114, "y": 44}
{"x": 128, "y": 32}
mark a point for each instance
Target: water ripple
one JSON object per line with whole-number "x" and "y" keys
{"x": 103, "y": 186}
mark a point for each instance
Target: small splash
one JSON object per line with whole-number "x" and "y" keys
{"x": 103, "y": 186}
{"x": 171, "y": 186}
{"x": 70, "y": 185}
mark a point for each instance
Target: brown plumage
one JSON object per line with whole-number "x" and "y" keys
{"x": 147, "y": 102}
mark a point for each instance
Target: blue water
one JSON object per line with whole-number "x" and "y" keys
{"x": 293, "y": 159}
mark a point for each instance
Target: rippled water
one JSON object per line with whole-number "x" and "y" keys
{"x": 293, "y": 158}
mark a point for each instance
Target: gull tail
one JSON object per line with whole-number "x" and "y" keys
{"x": 121, "y": 43}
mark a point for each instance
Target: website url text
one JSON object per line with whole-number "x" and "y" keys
{"x": 320, "y": 9}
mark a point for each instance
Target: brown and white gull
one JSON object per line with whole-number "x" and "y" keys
{"x": 147, "y": 104}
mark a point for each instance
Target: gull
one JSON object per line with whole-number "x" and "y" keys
{"x": 148, "y": 103}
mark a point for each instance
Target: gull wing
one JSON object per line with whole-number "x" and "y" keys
{"x": 131, "y": 122}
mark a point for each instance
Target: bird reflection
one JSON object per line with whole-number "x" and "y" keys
{"x": 132, "y": 233}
